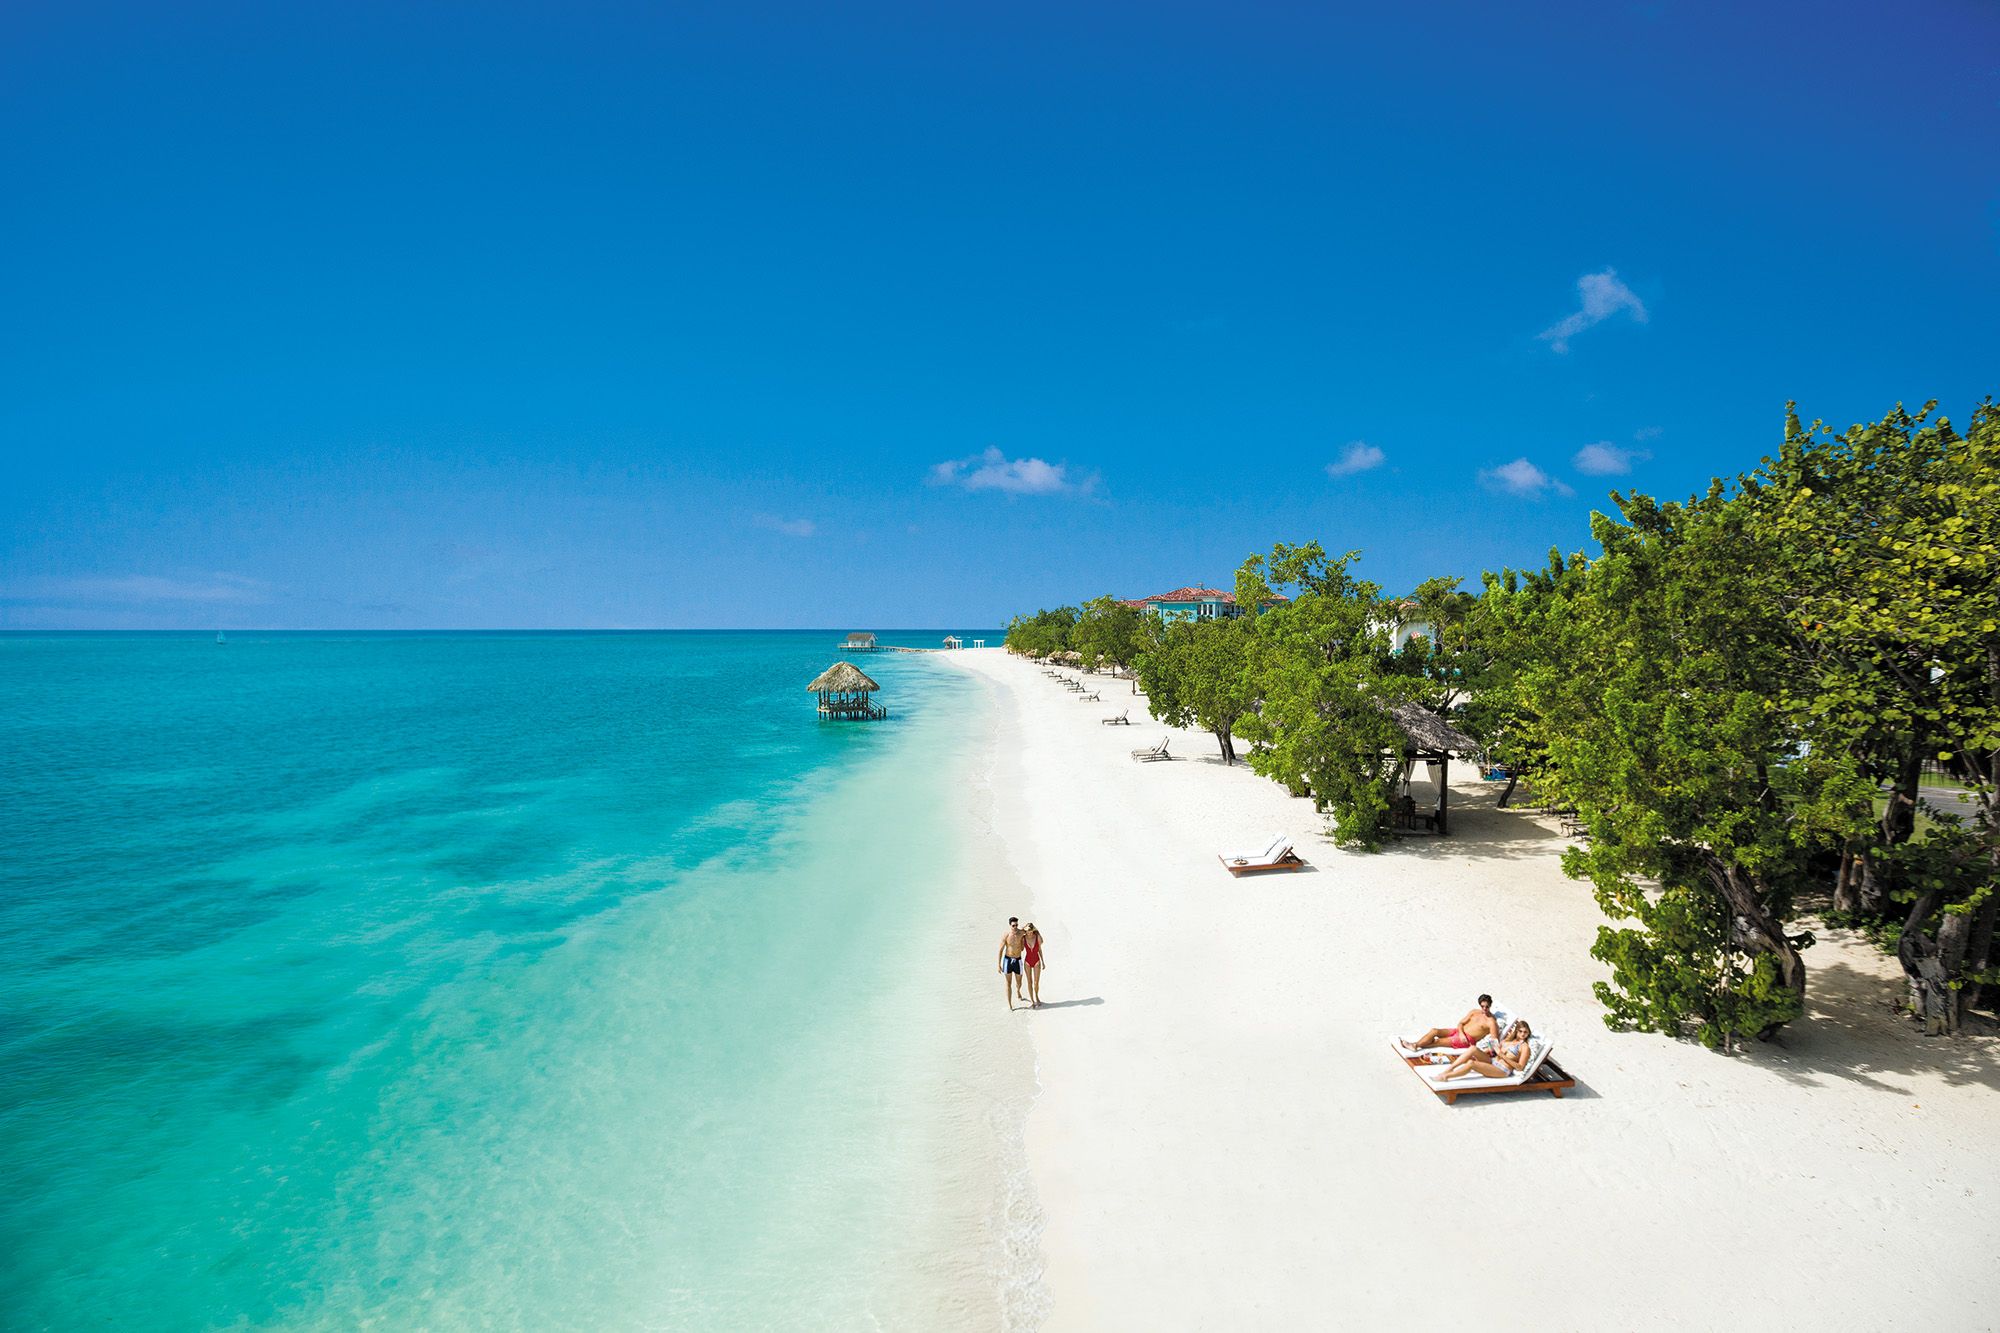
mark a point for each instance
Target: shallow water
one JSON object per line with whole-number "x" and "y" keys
{"x": 543, "y": 981}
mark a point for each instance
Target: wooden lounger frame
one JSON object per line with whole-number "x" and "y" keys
{"x": 1240, "y": 866}
{"x": 1550, "y": 1078}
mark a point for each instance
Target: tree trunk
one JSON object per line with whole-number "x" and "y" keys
{"x": 1931, "y": 999}
{"x": 1847, "y": 881}
{"x": 1758, "y": 931}
{"x": 1228, "y": 746}
{"x": 1897, "y": 826}
{"x": 1979, "y": 953}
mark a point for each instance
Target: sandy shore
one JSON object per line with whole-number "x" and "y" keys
{"x": 1223, "y": 1140}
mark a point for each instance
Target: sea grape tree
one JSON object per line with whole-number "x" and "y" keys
{"x": 1890, "y": 537}
{"x": 1320, "y": 665}
{"x": 1654, "y": 698}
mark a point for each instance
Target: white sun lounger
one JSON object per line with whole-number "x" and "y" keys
{"x": 1275, "y": 855}
{"x": 1159, "y": 751}
{"x": 1123, "y": 719}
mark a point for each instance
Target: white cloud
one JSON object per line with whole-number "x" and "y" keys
{"x": 140, "y": 588}
{"x": 1604, "y": 295}
{"x": 1359, "y": 456}
{"x": 1521, "y": 477}
{"x": 994, "y": 471}
{"x": 791, "y": 527}
{"x": 1605, "y": 459}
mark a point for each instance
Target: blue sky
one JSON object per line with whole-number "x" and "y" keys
{"x": 869, "y": 315}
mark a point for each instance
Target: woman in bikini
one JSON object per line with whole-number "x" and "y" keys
{"x": 1031, "y": 965}
{"x": 1511, "y": 1057}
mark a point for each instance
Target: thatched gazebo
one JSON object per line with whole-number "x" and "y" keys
{"x": 844, "y": 694}
{"x": 1428, "y": 737}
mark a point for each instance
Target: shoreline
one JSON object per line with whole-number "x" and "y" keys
{"x": 1221, "y": 1135}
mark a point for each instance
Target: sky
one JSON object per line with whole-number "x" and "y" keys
{"x": 870, "y": 315}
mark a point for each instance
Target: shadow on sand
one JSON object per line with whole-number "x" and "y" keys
{"x": 1851, "y": 1031}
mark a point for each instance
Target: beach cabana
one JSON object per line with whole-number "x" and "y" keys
{"x": 1428, "y": 737}
{"x": 859, "y": 641}
{"x": 844, "y": 694}
{"x": 953, "y": 642}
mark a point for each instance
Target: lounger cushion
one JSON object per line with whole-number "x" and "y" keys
{"x": 1269, "y": 855}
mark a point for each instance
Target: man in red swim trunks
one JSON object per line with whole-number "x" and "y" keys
{"x": 1474, "y": 1027}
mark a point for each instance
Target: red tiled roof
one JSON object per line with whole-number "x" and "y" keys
{"x": 1200, "y": 594}
{"x": 1194, "y": 594}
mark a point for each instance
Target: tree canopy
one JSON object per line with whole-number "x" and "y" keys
{"x": 1748, "y": 698}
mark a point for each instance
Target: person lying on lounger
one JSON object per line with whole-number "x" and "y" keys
{"x": 1511, "y": 1057}
{"x": 1474, "y": 1026}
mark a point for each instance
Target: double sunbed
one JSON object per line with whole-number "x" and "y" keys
{"x": 1542, "y": 1074}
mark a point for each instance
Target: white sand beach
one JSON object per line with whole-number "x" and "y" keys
{"x": 1222, "y": 1138}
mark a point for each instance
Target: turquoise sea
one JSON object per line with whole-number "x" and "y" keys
{"x": 486, "y": 980}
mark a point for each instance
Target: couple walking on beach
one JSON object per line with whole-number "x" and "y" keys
{"x": 1021, "y": 963}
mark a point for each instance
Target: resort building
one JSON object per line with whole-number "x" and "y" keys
{"x": 859, "y": 641}
{"x": 1197, "y": 603}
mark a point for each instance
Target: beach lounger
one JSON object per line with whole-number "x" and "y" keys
{"x": 1542, "y": 1074}
{"x": 1091, "y": 698}
{"x": 1159, "y": 751}
{"x": 1123, "y": 719}
{"x": 1276, "y": 855}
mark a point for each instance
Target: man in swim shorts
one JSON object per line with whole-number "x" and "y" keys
{"x": 1475, "y": 1027}
{"x": 1012, "y": 945}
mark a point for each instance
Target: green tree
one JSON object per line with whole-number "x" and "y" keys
{"x": 1110, "y": 630}
{"x": 1320, "y": 670}
{"x": 1510, "y": 630}
{"x": 1655, "y": 707}
{"x": 1042, "y": 633}
{"x": 1891, "y": 541}
{"x": 1198, "y": 674}
{"x": 1448, "y": 659}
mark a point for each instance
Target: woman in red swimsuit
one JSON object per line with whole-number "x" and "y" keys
{"x": 1031, "y": 965}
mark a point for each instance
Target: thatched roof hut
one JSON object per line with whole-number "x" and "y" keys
{"x": 1428, "y": 737}
{"x": 842, "y": 678}
{"x": 843, "y": 691}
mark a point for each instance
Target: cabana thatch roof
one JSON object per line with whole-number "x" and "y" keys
{"x": 1427, "y": 733}
{"x": 842, "y": 678}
